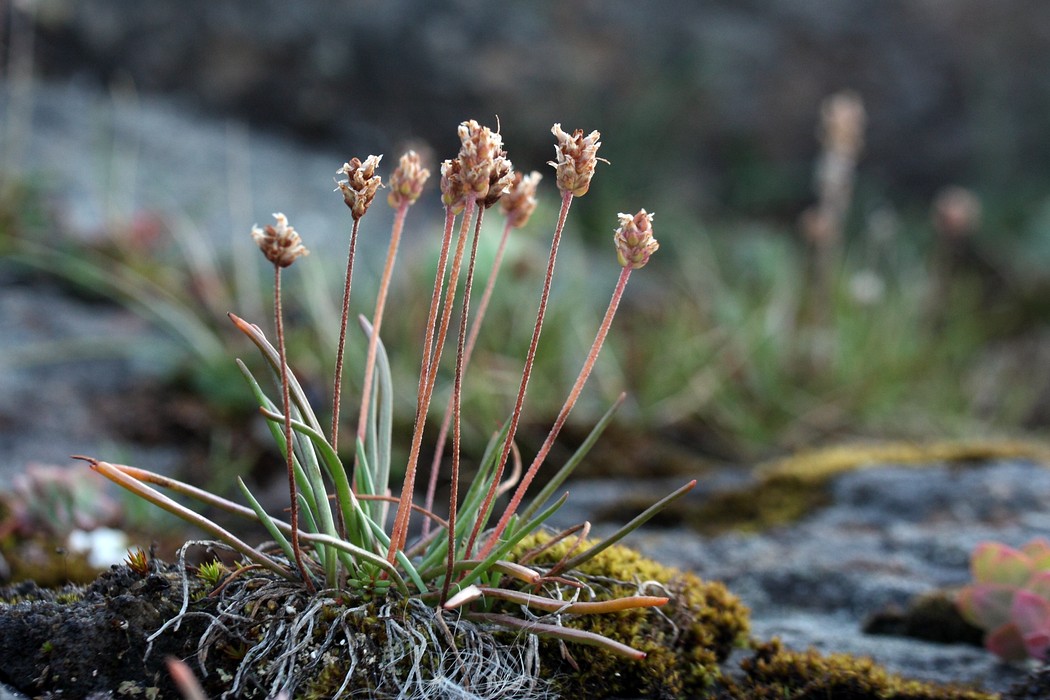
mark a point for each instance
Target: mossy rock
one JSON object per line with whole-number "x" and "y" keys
{"x": 776, "y": 673}
{"x": 790, "y": 488}
{"x": 685, "y": 641}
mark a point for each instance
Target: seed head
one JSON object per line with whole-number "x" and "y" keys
{"x": 280, "y": 243}
{"x": 359, "y": 187}
{"x": 634, "y": 239}
{"x": 481, "y": 148}
{"x": 500, "y": 179}
{"x": 577, "y": 156}
{"x": 407, "y": 180}
{"x": 520, "y": 200}
{"x": 453, "y": 193}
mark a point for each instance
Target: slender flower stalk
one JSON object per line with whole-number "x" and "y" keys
{"x": 406, "y": 185}
{"x": 457, "y": 399}
{"x": 519, "y": 402}
{"x": 449, "y": 180}
{"x": 634, "y": 245}
{"x": 359, "y": 189}
{"x": 400, "y": 532}
{"x": 577, "y": 158}
{"x": 281, "y": 245}
{"x": 517, "y": 205}
{"x": 479, "y": 175}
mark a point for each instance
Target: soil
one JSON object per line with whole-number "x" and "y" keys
{"x": 73, "y": 642}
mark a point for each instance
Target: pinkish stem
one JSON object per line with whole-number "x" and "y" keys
{"x": 286, "y": 407}
{"x": 559, "y": 423}
{"x": 338, "y": 387}
{"x": 457, "y": 395}
{"x": 566, "y": 202}
{"x": 427, "y": 376}
{"x": 486, "y": 296}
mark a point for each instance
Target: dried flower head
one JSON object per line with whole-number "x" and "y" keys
{"x": 500, "y": 179}
{"x": 843, "y": 118}
{"x": 453, "y": 192}
{"x": 577, "y": 156}
{"x": 520, "y": 200}
{"x": 481, "y": 148}
{"x": 407, "y": 180}
{"x": 280, "y": 243}
{"x": 359, "y": 187}
{"x": 634, "y": 239}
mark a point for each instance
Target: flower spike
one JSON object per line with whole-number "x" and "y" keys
{"x": 520, "y": 200}
{"x": 359, "y": 187}
{"x": 407, "y": 180}
{"x": 634, "y": 239}
{"x": 577, "y": 156}
{"x": 279, "y": 242}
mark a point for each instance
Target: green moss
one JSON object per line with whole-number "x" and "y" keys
{"x": 820, "y": 464}
{"x": 69, "y": 596}
{"x": 685, "y": 640}
{"x": 210, "y": 573}
{"x": 775, "y": 673}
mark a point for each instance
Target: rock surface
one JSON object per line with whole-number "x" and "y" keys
{"x": 889, "y": 534}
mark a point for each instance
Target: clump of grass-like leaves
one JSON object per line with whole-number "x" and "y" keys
{"x": 339, "y": 544}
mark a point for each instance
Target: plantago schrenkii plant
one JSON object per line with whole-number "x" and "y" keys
{"x": 336, "y": 541}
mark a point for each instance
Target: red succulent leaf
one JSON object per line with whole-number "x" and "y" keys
{"x": 1037, "y": 644}
{"x": 1006, "y": 643}
{"x": 993, "y": 562}
{"x": 1040, "y": 585}
{"x": 986, "y": 605}
{"x": 1038, "y": 550}
{"x": 1030, "y": 612}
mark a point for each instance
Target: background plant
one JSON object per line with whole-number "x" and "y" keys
{"x": 1010, "y": 599}
{"x": 336, "y": 538}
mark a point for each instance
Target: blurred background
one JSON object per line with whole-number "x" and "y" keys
{"x": 853, "y": 206}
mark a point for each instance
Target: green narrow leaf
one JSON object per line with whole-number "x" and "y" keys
{"x": 343, "y": 493}
{"x": 362, "y": 554}
{"x": 267, "y": 522}
{"x": 273, "y": 357}
{"x": 630, "y": 527}
{"x": 500, "y": 552}
{"x": 471, "y": 502}
{"x": 277, "y": 430}
{"x": 157, "y": 498}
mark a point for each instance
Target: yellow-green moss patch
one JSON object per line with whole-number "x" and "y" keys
{"x": 685, "y": 640}
{"x": 775, "y": 673}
